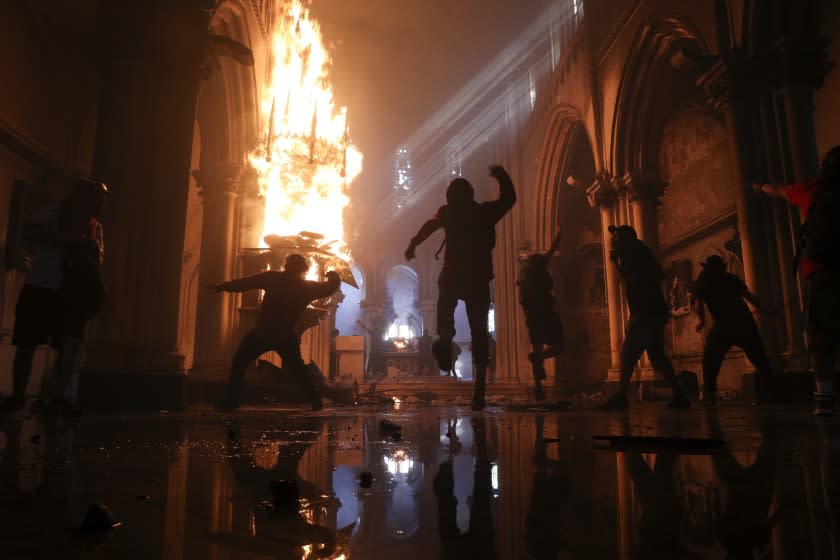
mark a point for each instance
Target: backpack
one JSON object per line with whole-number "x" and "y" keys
{"x": 821, "y": 230}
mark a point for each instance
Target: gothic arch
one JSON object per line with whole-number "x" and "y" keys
{"x": 228, "y": 108}
{"x": 651, "y": 67}
{"x": 565, "y": 123}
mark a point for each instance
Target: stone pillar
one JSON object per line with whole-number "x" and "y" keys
{"x": 151, "y": 76}
{"x": 218, "y": 185}
{"x": 726, "y": 93}
{"x": 803, "y": 65}
{"x": 603, "y": 195}
{"x": 428, "y": 310}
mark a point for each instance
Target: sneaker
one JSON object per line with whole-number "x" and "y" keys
{"x": 12, "y": 404}
{"x": 442, "y": 350}
{"x": 616, "y": 402}
{"x": 678, "y": 402}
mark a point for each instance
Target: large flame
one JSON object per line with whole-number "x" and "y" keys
{"x": 306, "y": 163}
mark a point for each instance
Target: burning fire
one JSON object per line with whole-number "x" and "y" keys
{"x": 306, "y": 162}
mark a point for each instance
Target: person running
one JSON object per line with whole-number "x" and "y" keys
{"x": 286, "y": 296}
{"x": 645, "y": 331}
{"x": 724, "y": 294}
{"x": 63, "y": 290}
{"x": 819, "y": 260}
{"x": 470, "y": 230}
{"x": 545, "y": 328}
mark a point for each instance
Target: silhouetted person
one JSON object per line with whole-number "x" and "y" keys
{"x": 549, "y": 497}
{"x": 660, "y": 512}
{"x": 819, "y": 259}
{"x": 724, "y": 294}
{"x": 645, "y": 332}
{"x": 286, "y": 296}
{"x": 470, "y": 230}
{"x": 279, "y": 529}
{"x": 541, "y": 318}
{"x": 455, "y": 354}
{"x": 425, "y": 358}
{"x": 744, "y": 519}
{"x": 479, "y": 542}
{"x": 62, "y": 291}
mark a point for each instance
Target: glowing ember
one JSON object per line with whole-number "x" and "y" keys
{"x": 306, "y": 163}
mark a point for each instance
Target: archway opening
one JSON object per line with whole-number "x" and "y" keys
{"x": 402, "y": 286}
{"x": 578, "y": 269}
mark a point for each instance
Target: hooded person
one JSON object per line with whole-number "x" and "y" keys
{"x": 642, "y": 277}
{"x": 286, "y": 296}
{"x": 470, "y": 229}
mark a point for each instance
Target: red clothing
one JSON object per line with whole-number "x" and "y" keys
{"x": 802, "y": 196}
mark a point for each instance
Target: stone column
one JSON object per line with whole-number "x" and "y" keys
{"x": 802, "y": 66}
{"x": 151, "y": 76}
{"x": 218, "y": 185}
{"x": 603, "y": 195}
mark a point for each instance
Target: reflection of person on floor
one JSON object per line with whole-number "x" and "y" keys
{"x": 270, "y": 468}
{"x": 62, "y": 291}
{"x": 549, "y": 497}
{"x": 425, "y": 358}
{"x": 743, "y": 518}
{"x": 724, "y": 294}
{"x": 34, "y": 489}
{"x": 536, "y": 296}
{"x": 286, "y": 296}
{"x": 645, "y": 332}
{"x": 660, "y": 511}
{"x": 479, "y": 542}
{"x": 470, "y": 230}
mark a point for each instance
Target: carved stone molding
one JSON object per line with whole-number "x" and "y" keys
{"x": 218, "y": 179}
{"x": 643, "y": 187}
{"x": 603, "y": 191}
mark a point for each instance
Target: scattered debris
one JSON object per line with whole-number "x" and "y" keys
{"x": 98, "y": 519}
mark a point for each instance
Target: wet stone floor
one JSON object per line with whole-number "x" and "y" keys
{"x": 505, "y": 484}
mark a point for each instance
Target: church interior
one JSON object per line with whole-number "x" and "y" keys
{"x": 227, "y": 136}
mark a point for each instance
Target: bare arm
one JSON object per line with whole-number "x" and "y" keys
{"x": 754, "y": 301}
{"x": 507, "y": 193}
{"x": 245, "y": 284}
{"x": 771, "y": 189}
{"x": 426, "y": 230}
{"x": 319, "y": 290}
{"x": 700, "y": 310}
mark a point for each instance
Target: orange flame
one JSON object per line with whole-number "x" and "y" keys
{"x": 306, "y": 163}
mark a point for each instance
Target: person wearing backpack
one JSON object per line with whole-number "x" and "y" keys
{"x": 470, "y": 230}
{"x": 817, "y": 258}
{"x": 63, "y": 290}
{"x": 645, "y": 332}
